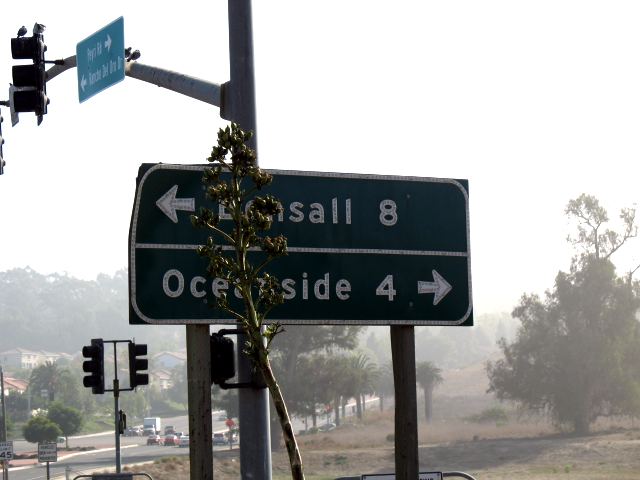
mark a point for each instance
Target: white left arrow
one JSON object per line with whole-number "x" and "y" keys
{"x": 107, "y": 43}
{"x": 439, "y": 287}
{"x": 83, "y": 83}
{"x": 169, "y": 204}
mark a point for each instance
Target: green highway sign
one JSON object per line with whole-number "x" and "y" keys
{"x": 363, "y": 249}
{"x": 100, "y": 60}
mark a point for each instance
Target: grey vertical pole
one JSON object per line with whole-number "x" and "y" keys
{"x": 116, "y": 409}
{"x": 116, "y": 398}
{"x": 3, "y": 430}
{"x": 403, "y": 354}
{"x": 239, "y": 105}
{"x": 199, "y": 398}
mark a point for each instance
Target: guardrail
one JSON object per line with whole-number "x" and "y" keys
{"x": 390, "y": 476}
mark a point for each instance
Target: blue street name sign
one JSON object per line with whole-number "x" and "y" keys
{"x": 100, "y": 60}
{"x": 362, "y": 249}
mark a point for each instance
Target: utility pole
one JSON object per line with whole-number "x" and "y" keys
{"x": 239, "y": 105}
{"x": 3, "y": 429}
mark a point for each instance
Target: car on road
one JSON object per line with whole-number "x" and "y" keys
{"x": 220, "y": 439}
{"x": 327, "y": 427}
{"x": 171, "y": 440}
{"x": 183, "y": 441}
{"x": 154, "y": 440}
{"x": 133, "y": 432}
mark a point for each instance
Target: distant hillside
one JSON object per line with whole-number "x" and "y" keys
{"x": 61, "y": 313}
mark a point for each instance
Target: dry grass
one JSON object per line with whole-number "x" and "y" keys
{"x": 527, "y": 451}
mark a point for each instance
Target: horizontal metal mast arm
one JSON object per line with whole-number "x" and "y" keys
{"x": 69, "y": 62}
{"x": 193, "y": 87}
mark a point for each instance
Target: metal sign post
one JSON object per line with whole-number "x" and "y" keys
{"x": 47, "y": 452}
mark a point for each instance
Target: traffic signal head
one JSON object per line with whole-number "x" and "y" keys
{"x": 223, "y": 365}
{"x": 94, "y": 366}
{"x": 137, "y": 376}
{"x": 30, "y": 94}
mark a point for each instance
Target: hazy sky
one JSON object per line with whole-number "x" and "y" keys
{"x": 534, "y": 102}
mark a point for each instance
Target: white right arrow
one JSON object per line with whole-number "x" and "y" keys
{"x": 107, "y": 43}
{"x": 440, "y": 287}
{"x": 168, "y": 203}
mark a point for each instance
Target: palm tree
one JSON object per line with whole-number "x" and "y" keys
{"x": 428, "y": 376}
{"x": 361, "y": 375}
{"x": 45, "y": 378}
{"x": 384, "y": 383}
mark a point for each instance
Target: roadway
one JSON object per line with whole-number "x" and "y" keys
{"x": 133, "y": 450}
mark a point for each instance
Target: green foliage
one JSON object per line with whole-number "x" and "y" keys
{"x": 41, "y": 429}
{"x": 226, "y": 400}
{"x": 573, "y": 352}
{"x": 248, "y": 232}
{"x": 497, "y": 415}
{"x": 134, "y": 403}
{"x": 36, "y": 308}
{"x": 67, "y": 418}
{"x": 61, "y": 384}
{"x": 308, "y": 361}
{"x": 232, "y": 184}
{"x": 428, "y": 376}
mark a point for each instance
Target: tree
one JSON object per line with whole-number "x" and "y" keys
{"x": 67, "y": 418}
{"x": 177, "y": 392}
{"x": 260, "y": 292}
{"x": 359, "y": 377}
{"x": 226, "y": 400}
{"x": 134, "y": 404}
{"x": 41, "y": 429}
{"x": 44, "y": 379}
{"x": 428, "y": 376}
{"x": 572, "y": 354}
{"x": 384, "y": 383}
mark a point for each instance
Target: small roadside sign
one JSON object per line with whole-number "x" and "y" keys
{"x": 47, "y": 452}
{"x": 6, "y": 451}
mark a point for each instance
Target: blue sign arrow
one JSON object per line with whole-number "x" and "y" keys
{"x": 100, "y": 60}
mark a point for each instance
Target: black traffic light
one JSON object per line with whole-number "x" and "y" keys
{"x": 137, "y": 376}
{"x": 223, "y": 365}
{"x": 30, "y": 94}
{"x": 94, "y": 366}
{"x": 122, "y": 422}
{"x": 1, "y": 142}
